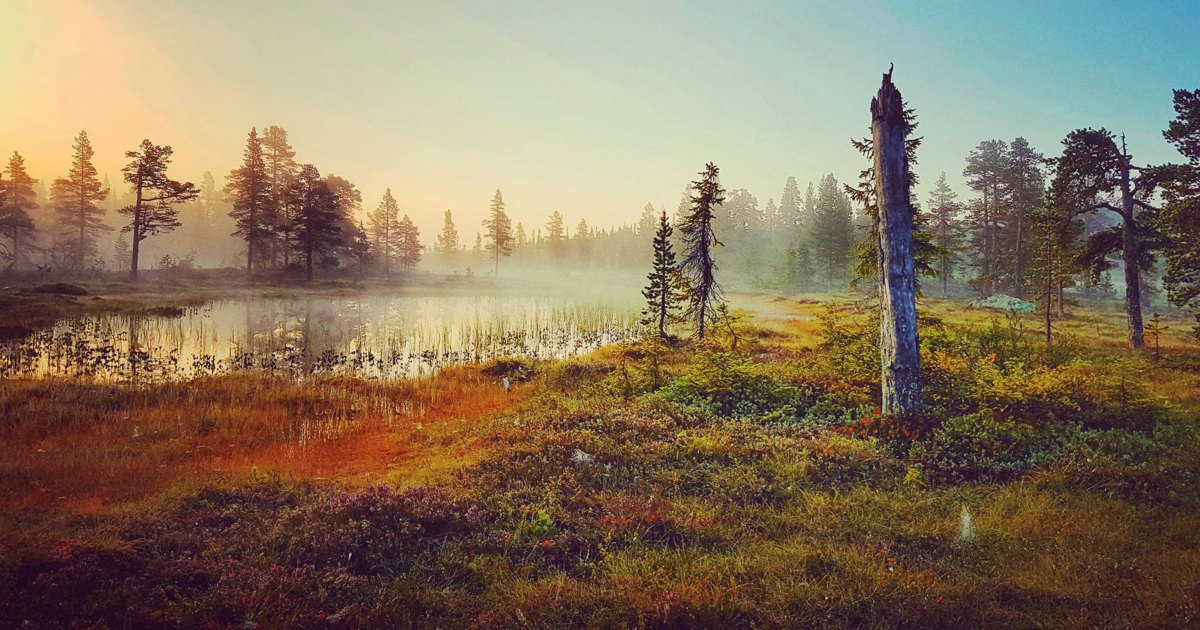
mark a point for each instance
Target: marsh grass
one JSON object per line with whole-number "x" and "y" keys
{"x": 682, "y": 516}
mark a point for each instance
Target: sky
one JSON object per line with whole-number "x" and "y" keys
{"x": 589, "y": 108}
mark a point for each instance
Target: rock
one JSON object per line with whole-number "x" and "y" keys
{"x": 1004, "y": 302}
{"x": 579, "y": 458}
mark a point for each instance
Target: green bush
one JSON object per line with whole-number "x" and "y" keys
{"x": 730, "y": 384}
{"x": 979, "y": 446}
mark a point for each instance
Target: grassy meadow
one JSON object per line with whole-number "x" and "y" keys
{"x": 746, "y": 482}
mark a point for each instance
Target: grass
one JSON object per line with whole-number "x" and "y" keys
{"x": 585, "y": 498}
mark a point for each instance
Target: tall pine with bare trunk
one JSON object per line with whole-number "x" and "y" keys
{"x": 155, "y": 195}
{"x": 1093, "y": 167}
{"x": 498, "y": 231}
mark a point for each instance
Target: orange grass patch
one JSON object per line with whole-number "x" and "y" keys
{"x": 82, "y": 448}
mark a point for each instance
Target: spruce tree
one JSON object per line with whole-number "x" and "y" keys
{"x": 945, "y": 225}
{"x": 498, "y": 230}
{"x": 447, "y": 239}
{"x": 698, "y": 267}
{"x": 249, "y": 190}
{"x": 155, "y": 196}
{"x": 832, "y": 231}
{"x": 408, "y": 243}
{"x": 663, "y": 293}
{"x": 556, "y": 236}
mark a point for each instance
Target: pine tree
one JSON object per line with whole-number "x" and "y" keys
{"x": 155, "y": 196}
{"x": 1179, "y": 220}
{"x": 945, "y": 224}
{"x": 1091, "y": 168}
{"x": 663, "y": 293}
{"x": 408, "y": 245}
{"x": 1024, "y": 183}
{"x": 498, "y": 230}
{"x": 985, "y": 170}
{"x": 249, "y": 190}
{"x": 74, "y": 199}
{"x": 385, "y": 230}
{"x": 698, "y": 267}
{"x": 16, "y": 225}
{"x": 348, "y": 203}
{"x": 317, "y": 222}
{"x": 556, "y": 236}
{"x": 282, "y": 170}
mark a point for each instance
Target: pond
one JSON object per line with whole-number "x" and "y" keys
{"x": 364, "y": 336}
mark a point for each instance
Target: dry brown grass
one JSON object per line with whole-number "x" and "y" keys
{"x": 68, "y": 447}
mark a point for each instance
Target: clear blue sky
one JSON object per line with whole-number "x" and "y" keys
{"x": 591, "y": 108}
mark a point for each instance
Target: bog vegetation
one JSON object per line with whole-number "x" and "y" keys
{"x": 771, "y": 456}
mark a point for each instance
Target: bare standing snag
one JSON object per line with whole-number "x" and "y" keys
{"x": 901, "y": 353}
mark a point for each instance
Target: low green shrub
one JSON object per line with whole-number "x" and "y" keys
{"x": 730, "y": 384}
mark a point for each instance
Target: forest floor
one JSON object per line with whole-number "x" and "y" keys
{"x": 745, "y": 482}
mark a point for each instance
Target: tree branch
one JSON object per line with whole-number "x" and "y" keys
{"x": 1101, "y": 206}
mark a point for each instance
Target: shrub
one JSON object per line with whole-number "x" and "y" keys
{"x": 979, "y": 446}
{"x": 729, "y": 384}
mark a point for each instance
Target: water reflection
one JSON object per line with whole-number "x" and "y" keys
{"x": 371, "y": 337}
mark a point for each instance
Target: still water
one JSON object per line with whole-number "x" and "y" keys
{"x": 365, "y": 336}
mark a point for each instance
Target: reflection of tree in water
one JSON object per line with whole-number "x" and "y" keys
{"x": 369, "y": 336}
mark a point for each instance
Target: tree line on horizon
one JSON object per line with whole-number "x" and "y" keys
{"x": 1034, "y": 227}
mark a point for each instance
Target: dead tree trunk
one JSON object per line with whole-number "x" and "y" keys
{"x": 900, "y": 349}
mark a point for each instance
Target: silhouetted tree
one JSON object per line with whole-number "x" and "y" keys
{"x": 74, "y": 199}
{"x": 556, "y": 236}
{"x": 316, "y": 225}
{"x": 447, "y": 240}
{"x": 663, "y": 293}
{"x": 249, "y": 190}
{"x": 698, "y": 267}
{"x": 155, "y": 196}
{"x": 16, "y": 225}
{"x": 358, "y": 246}
{"x": 498, "y": 231}
{"x": 408, "y": 243}
{"x": 385, "y": 232}
{"x": 583, "y": 242}
{"x": 281, "y": 168}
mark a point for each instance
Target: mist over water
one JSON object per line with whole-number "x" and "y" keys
{"x": 369, "y": 336}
